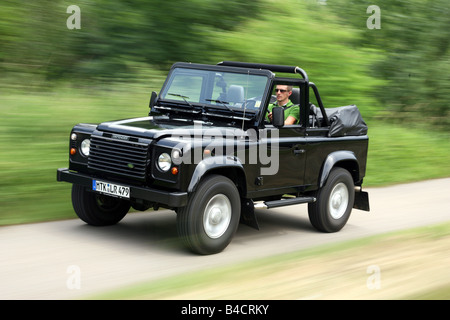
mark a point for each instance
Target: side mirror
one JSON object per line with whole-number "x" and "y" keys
{"x": 152, "y": 99}
{"x": 278, "y": 117}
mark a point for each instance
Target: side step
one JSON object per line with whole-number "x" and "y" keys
{"x": 284, "y": 202}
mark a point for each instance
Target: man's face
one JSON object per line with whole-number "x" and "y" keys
{"x": 282, "y": 93}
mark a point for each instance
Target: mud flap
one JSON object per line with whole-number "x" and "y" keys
{"x": 248, "y": 216}
{"x": 361, "y": 200}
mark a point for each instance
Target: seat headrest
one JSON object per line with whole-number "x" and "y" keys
{"x": 235, "y": 94}
{"x": 295, "y": 96}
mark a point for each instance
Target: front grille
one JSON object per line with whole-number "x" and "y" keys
{"x": 118, "y": 157}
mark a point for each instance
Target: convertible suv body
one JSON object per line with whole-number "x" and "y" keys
{"x": 207, "y": 151}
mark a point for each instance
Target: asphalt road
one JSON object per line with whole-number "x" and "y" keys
{"x": 69, "y": 259}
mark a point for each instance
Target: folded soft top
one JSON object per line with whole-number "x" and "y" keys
{"x": 344, "y": 121}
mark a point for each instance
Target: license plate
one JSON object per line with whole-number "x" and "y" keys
{"x": 111, "y": 189}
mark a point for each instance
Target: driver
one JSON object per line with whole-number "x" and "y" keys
{"x": 291, "y": 111}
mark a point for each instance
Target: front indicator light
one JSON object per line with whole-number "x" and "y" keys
{"x": 175, "y": 171}
{"x": 73, "y": 151}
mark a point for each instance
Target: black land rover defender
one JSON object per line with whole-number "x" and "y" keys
{"x": 208, "y": 151}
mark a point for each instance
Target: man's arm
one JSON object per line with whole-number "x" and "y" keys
{"x": 290, "y": 120}
{"x": 293, "y": 113}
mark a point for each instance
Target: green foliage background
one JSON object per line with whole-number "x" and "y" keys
{"x": 53, "y": 77}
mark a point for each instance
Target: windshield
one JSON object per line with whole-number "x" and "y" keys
{"x": 225, "y": 90}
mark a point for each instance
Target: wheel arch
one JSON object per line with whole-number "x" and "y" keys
{"x": 229, "y": 167}
{"x": 344, "y": 159}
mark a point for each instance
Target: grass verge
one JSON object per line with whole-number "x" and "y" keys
{"x": 411, "y": 264}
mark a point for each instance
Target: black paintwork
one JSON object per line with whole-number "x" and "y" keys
{"x": 306, "y": 152}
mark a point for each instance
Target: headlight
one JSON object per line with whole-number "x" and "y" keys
{"x": 85, "y": 145}
{"x": 164, "y": 162}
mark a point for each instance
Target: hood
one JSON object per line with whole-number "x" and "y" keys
{"x": 158, "y": 127}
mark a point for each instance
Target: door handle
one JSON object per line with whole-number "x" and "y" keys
{"x": 299, "y": 151}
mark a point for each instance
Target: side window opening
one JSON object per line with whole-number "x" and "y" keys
{"x": 286, "y": 95}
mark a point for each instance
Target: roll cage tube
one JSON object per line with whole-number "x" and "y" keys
{"x": 271, "y": 67}
{"x": 319, "y": 101}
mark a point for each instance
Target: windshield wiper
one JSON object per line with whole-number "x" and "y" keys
{"x": 185, "y": 100}
{"x": 223, "y": 103}
{"x": 182, "y": 97}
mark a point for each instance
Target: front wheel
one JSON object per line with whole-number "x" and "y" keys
{"x": 209, "y": 221}
{"x": 98, "y": 209}
{"x": 334, "y": 202}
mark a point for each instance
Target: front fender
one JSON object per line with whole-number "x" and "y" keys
{"x": 332, "y": 159}
{"x": 212, "y": 163}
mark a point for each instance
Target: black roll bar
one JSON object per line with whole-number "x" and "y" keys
{"x": 271, "y": 67}
{"x": 319, "y": 101}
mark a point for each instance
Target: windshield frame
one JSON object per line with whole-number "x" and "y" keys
{"x": 213, "y": 103}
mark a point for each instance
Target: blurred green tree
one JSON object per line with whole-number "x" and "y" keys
{"x": 34, "y": 37}
{"x": 415, "y": 65}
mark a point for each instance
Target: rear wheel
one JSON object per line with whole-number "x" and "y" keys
{"x": 98, "y": 209}
{"x": 209, "y": 221}
{"x": 334, "y": 202}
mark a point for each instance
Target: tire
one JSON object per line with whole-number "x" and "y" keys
{"x": 209, "y": 221}
{"x": 334, "y": 203}
{"x": 98, "y": 209}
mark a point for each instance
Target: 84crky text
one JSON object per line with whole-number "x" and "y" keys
{"x": 229, "y": 309}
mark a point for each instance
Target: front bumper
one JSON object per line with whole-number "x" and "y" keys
{"x": 171, "y": 199}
